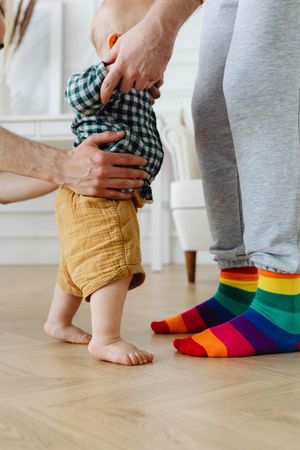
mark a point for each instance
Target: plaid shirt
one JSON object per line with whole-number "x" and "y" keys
{"x": 132, "y": 113}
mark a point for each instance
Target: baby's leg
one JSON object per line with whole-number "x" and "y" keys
{"x": 59, "y": 322}
{"x": 107, "y": 309}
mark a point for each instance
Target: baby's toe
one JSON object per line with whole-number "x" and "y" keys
{"x": 148, "y": 356}
{"x": 145, "y": 357}
{"x": 126, "y": 360}
{"x": 139, "y": 356}
{"x": 85, "y": 339}
{"x": 133, "y": 358}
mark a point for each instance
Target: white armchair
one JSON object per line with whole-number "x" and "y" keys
{"x": 187, "y": 200}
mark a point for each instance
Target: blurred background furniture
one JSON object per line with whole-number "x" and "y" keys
{"x": 186, "y": 199}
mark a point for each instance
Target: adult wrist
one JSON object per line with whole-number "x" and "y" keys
{"x": 164, "y": 22}
{"x": 49, "y": 164}
{"x": 163, "y": 28}
{"x": 160, "y": 36}
{"x": 61, "y": 161}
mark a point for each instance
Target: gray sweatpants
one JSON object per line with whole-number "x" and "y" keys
{"x": 246, "y": 115}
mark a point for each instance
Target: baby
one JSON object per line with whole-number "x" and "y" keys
{"x": 100, "y": 243}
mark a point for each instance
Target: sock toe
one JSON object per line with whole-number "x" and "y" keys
{"x": 160, "y": 327}
{"x": 235, "y": 293}
{"x": 189, "y": 347}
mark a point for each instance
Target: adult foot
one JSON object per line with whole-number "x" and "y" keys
{"x": 67, "y": 333}
{"x": 270, "y": 325}
{"x": 235, "y": 294}
{"x": 119, "y": 352}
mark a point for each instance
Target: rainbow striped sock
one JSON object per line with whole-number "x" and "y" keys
{"x": 270, "y": 325}
{"x": 235, "y": 294}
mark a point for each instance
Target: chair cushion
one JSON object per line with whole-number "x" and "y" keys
{"x": 187, "y": 194}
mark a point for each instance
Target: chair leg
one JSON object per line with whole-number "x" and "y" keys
{"x": 190, "y": 260}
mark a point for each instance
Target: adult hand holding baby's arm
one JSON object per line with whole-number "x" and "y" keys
{"x": 141, "y": 55}
{"x": 96, "y": 173}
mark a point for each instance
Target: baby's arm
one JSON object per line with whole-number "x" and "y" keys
{"x": 15, "y": 188}
{"x": 83, "y": 90}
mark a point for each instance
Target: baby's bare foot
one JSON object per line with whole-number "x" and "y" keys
{"x": 67, "y": 333}
{"x": 119, "y": 352}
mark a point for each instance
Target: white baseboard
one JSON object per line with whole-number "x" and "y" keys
{"x": 28, "y": 235}
{"x": 29, "y": 251}
{"x": 45, "y": 250}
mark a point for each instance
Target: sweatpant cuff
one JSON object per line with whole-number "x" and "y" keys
{"x": 272, "y": 269}
{"x": 229, "y": 264}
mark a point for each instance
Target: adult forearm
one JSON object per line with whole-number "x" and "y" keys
{"x": 166, "y": 17}
{"x": 88, "y": 171}
{"x": 171, "y": 14}
{"x": 25, "y": 157}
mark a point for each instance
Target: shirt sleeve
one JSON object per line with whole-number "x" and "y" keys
{"x": 83, "y": 90}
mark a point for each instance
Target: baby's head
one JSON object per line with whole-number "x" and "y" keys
{"x": 114, "y": 18}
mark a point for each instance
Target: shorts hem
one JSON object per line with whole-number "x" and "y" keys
{"x": 65, "y": 287}
{"x": 136, "y": 269}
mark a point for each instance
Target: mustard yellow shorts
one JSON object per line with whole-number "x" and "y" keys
{"x": 100, "y": 242}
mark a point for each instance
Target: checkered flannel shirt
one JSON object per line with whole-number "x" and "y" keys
{"x": 132, "y": 113}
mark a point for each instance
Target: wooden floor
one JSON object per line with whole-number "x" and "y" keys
{"x": 54, "y": 396}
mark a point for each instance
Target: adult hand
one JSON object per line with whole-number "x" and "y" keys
{"x": 139, "y": 59}
{"x": 96, "y": 173}
{"x": 154, "y": 90}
